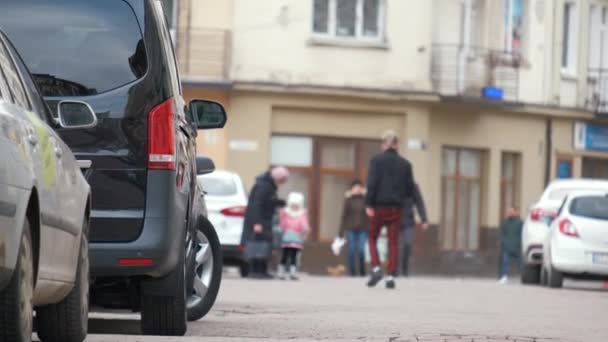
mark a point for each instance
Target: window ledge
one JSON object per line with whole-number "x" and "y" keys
{"x": 349, "y": 43}
{"x": 568, "y": 75}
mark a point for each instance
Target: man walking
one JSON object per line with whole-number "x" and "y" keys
{"x": 408, "y": 225}
{"x": 390, "y": 182}
{"x": 510, "y": 243}
{"x": 257, "y": 229}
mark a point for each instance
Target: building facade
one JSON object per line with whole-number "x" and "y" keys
{"x": 492, "y": 99}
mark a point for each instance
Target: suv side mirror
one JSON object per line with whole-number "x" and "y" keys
{"x": 208, "y": 114}
{"x": 204, "y": 165}
{"x": 75, "y": 114}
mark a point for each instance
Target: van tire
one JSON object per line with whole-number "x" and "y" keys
{"x": 202, "y": 307}
{"x": 163, "y": 303}
{"x": 16, "y": 300}
{"x": 68, "y": 320}
{"x": 530, "y": 274}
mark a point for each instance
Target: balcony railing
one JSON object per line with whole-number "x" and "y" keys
{"x": 204, "y": 54}
{"x": 597, "y": 90}
{"x": 475, "y": 72}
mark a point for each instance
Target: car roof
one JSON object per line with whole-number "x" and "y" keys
{"x": 582, "y": 193}
{"x": 577, "y": 182}
{"x": 221, "y": 174}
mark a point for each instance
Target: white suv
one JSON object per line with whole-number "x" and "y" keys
{"x": 536, "y": 226}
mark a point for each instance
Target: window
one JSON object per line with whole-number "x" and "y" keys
{"x": 509, "y": 182}
{"x": 349, "y": 19}
{"x": 12, "y": 78}
{"x": 322, "y": 169}
{"x": 218, "y": 186}
{"x": 590, "y": 206}
{"x": 76, "y": 48}
{"x": 461, "y": 194}
{"x": 515, "y": 15}
{"x": 570, "y": 39}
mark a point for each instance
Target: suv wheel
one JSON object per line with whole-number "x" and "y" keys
{"x": 530, "y": 274}
{"x": 16, "y": 299}
{"x": 68, "y": 320}
{"x": 208, "y": 272}
{"x": 163, "y": 303}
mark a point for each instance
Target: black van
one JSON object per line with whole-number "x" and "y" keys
{"x": 140, "y": 159}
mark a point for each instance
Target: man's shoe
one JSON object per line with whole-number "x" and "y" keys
{"x": 375, "y": 278}
{"x": 390, "y": 284}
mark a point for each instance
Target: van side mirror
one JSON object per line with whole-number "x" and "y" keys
{"x": 75, "y": 114}
{"x": 204, "y": 165}
{"x": 208, "y": 114}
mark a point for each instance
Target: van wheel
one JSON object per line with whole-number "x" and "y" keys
{"x": 16, "y": 300}
{"x": 543, "y": 276}
{"x": 555, "y": 278}
{"x": 163, "y": 303}
{"x": 530, "y": 274}
{"x": 68, "y": 320}
{"x": 208, "y": 272}
{"x": 244, "y": 269}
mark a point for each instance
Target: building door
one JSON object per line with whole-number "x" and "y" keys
{"x": 595, "y": 168}
{"x": 322, "y": 168}
{"x": 509, "y": 182}
{"x": 461, "y": 195}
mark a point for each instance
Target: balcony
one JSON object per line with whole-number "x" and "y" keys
{"x": 473, "y": 72}
{"x": 204, "y": 54}
{"x": 597, "y": 91}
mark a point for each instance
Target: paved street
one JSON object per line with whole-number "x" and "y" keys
{"x": 420, "y": 309}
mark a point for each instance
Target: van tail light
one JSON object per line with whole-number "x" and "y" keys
{"x": 567, "y": 228}
{"x": 234, "y": 211}
{"x": 161, "y": 137}
{"x": 539, "y": 214}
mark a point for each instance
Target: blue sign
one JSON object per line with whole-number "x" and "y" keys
{"x": 493, "y": 93}
{"x": 596, "y": 137}
{"x": 564, "y": 169}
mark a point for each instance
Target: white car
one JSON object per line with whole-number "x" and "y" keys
{"x": 536, "y": 226}
{"x": 577, "y": 245}
{"x": 226, "y": 202}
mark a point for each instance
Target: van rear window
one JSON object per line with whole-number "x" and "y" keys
{"x": 76, "y": 47}
{"x": 590, "y": 206}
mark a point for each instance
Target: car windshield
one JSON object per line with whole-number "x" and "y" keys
{"x": 560, "y": 194}
{"x": 218, "y": 186}
{"x": 76, "y": 48}
{"x": 590, "y": 206}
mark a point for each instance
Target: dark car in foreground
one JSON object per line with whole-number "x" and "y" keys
{"x": 117, "y": 55}
{"x": 44, "y": 212}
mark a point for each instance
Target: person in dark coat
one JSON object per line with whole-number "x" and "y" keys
{"x": 510, "y": 242}
{"x": 389, "y": 183}
{"x": 355, "y": 226}
{"x": 257, "y": 235}
{"x": 408, "y": 225}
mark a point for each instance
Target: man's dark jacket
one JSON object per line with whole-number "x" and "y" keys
{"x": 390, "y": 181}
{"x": 261, "y": 207}
{"x": 510, "y": 236}
{"x": 408, "y": 219}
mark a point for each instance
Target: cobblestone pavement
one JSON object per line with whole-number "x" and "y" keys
{"x": 421, "y": 309}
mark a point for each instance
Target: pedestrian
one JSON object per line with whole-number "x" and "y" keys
{"x": 390, "y": 182}
{"x": 257, "y": 227}
{"x": 510, "y": 242}
{"x": 355, "y": 226}
{"x": 295, "y": 227}
{"x": 408, "y": 225}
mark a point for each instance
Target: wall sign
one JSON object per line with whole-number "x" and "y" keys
{"x": 593, "y": 137}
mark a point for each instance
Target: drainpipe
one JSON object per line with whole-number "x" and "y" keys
{"x": 548, "y": 149}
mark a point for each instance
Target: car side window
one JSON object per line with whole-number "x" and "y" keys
{"x": 12, "y": 78}
{"x": 31, "y": 88}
